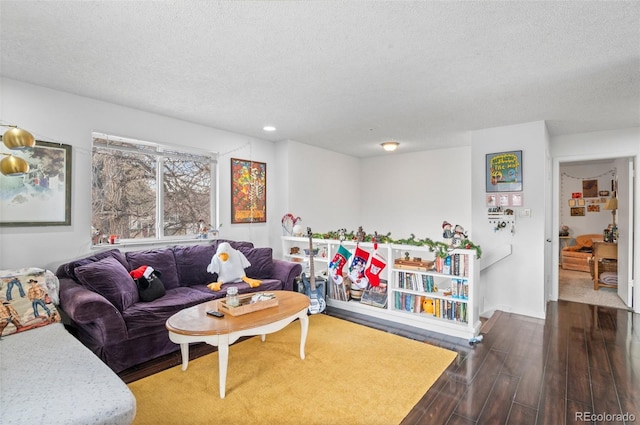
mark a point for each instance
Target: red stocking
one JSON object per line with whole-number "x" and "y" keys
{"x": 375, "y": 267}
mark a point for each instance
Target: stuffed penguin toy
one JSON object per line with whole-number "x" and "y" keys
{"x": 229, "y": 263}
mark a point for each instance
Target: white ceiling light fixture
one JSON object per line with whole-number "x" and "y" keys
{"x": 390, "y": 146}
{"x": 269, "y": 128}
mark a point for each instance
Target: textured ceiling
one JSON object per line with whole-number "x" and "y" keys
{"x": 342, "y": 75}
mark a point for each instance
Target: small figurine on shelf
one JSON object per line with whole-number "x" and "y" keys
{"x": 447, "y": 233}
{"x": 427, "y": 305}
{"x": 360, "y": 234}
{"x": 203, "y": 230}
{"x": 458, "y": 236}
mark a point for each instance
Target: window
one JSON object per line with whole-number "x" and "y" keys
{"x": 142, "y": 190}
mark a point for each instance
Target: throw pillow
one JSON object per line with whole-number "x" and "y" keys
{"x": 192, "y": 262}
{"x": 69, "y": 268}
{"x": 161, "y": 260}
{"x": 25, "y": 302}
{"x": 110, "y": 279}
{"x": 261, "y": 260}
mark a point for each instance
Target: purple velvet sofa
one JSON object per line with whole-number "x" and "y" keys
{"x": 101, "y": 300}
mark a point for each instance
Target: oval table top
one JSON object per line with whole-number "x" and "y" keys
{"x": 195, "y": 320}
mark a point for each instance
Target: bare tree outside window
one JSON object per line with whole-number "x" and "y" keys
{"x": 142, "y": 190}
{"x": 187, "y": 187}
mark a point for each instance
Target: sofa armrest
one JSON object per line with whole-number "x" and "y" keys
{"x": 286, "y": 272}
{"x": 94, "y": 316}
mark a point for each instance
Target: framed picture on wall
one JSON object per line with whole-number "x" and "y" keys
{"x": 577, "y": 211}
{"x": 42, "y": 196}
{"x": 248, "y": 191}
{"x": 504, "y": 171}
{"x": 589, "y": 188}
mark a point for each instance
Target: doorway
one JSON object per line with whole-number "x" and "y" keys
{"x": 583, "y": 192}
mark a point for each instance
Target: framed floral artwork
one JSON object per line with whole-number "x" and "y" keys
{"x": 42, "y": 196}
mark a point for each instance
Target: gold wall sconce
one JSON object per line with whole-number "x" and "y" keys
{"x": 15, "y": 139}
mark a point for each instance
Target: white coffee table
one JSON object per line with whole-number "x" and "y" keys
{"x": 193, "y": 325}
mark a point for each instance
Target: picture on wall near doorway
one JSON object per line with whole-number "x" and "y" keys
{"x": 248, "y": 191}
{"x": 504, "y": 171}
{"x": 589, "y": 188}
{"x": 42, "y": 196}
{"x": 577, "y": 211}
{"x": 593, "y": 208}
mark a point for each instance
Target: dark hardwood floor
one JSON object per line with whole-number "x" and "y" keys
{"x": 580, "y": 365}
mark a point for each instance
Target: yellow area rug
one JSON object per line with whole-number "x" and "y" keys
{"x": 352, "y": 374}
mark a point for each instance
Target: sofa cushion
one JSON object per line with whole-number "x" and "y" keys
{"x": 584, "y": 242}
{"x": 261, "y": 260}
{"x": 110, "y": 279}
{"x": 234, "y": 244}
{"x": 192, "y": 262}
{"x": 162, "y": 260}
{"x": 70, "y": 267}
{"x": 145, "y": 318}
{"x": 26, "y": 303}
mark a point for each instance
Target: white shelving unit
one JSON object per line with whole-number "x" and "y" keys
{"x": 455, "y": 314}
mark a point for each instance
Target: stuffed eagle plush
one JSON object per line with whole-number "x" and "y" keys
{"x": 229, "y": 263}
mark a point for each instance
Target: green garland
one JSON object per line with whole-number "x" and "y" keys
{"x": 441, "y": 249}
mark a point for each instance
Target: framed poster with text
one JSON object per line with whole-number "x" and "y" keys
{"x": 504, "y": 172}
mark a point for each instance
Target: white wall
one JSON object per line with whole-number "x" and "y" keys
{"x": 515, "y": 283}
{"x": 416, "y": 192}
{"x": 60, "y": 117}
{"x": 323, "y": 188}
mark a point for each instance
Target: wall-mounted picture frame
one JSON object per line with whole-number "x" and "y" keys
{"x": 589, "y": 188}
{"x": 41, "y": 197}
{"x": 504, "y": 171}
{"x": 577, "y": 211}
{"x": 248, "y": 191}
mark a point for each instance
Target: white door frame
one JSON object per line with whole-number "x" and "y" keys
{"x": 634, "y": 244}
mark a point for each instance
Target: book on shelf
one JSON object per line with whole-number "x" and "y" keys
{"x": 408, "y": 302}
{"x": 451, "y": 310}
{"x": 337, "y": 291}
{"x": 375, "y": 295}
{"x": 415, "y": 281}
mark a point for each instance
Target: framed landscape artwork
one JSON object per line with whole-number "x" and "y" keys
{"x": 248, "y": 191}
{"x": 504, "y": 171}
{"x": 41, "y": 197}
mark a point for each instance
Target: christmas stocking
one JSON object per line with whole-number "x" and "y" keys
{"x": 356, "y": 269}
{"x": 376, "y": 266}
{"x": 337, "y": 264}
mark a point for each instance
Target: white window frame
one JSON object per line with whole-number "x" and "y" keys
{"x": 159, "y": 149}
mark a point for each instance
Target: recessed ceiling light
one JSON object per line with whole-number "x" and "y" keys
{"x": 390, "y": 146}
{"x": 269, "y": 128}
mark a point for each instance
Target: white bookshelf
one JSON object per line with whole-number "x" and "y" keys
{"x": 458, "y": 313}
